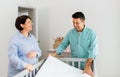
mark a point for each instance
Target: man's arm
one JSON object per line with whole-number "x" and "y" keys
{"x": 93, "y": 51}
{"x": 88, "y": 65}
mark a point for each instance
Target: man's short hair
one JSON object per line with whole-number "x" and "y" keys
{"x": 78, "y": 15}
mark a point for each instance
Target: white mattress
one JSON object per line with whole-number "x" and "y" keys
{"x": 56, "y": 68}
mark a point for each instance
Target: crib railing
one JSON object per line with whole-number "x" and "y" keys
{"x": 26, "y": 73}
{"x": 70, "y": 61}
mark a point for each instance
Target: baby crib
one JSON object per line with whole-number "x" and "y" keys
{"x": 70, "y": 61}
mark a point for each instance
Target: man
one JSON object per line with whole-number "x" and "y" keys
{"x": 82, "y": 41}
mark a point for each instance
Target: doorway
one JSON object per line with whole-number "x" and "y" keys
{"x": 32, "y": 12}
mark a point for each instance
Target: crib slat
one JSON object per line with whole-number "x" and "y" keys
{"x": 33, "y": 73}
{"x": 79, "y": 65}
{"x": 72, "y": 63}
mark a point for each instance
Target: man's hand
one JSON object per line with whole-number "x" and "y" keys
{"x": 88, "y": 70}
{"x": 31, "y": 54}
{"x": 52, "y": 54}
{"x": 29, "y": 67}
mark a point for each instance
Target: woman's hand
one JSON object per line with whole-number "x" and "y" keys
{"x": 31, "y": 54}
{"x": 29, "y": 67}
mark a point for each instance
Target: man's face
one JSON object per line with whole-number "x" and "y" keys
{"x": 78, "y": 24}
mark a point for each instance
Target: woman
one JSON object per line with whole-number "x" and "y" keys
{"x": 23, "y": 50}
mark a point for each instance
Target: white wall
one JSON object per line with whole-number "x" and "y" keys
{"x": 103, "y": 16}
{"x": 44, "y": 30}
{"x": 7, "y": 17}
{"x": 8, "y": 14}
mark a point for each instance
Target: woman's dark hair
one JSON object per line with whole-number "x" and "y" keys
{"x": 21, "y": 20}
{"x": 78, "y": 15}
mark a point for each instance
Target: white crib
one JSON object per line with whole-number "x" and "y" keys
{"x": 70, "y": 61}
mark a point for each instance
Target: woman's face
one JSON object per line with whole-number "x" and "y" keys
{"x": 28, "y": 25}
